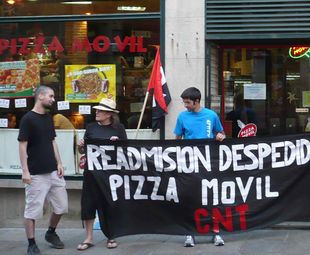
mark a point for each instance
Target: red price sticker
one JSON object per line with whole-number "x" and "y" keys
{"x": 248, "y": 130}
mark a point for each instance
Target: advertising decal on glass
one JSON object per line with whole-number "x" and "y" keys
{"x": 89, "y": 83}
{"x": 19, "y": 78}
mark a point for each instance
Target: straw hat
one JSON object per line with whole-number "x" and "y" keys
{"x": 106, "y": 104}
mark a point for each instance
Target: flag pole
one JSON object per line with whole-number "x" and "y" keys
{"x": 142, "y": 113}
{"x": 146, "y": 95}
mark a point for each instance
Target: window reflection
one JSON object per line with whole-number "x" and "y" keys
{"x": 271, "y": 83}
{"x": 110, "y": 58}
{"x": 64, "y": 7}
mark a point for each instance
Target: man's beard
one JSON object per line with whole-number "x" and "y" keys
{"x": 47, "y": 107}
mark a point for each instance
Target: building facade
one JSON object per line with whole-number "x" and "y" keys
{"x": 85, "y": 51}
{"x": 261, "y": 55}
{"x": 248, "y": 58}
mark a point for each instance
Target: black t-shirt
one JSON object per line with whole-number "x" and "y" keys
{"x": 96, "y": 131}
{"x": 38, "y": 130}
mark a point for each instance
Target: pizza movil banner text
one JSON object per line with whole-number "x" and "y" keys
{"x": 200, "y": 186}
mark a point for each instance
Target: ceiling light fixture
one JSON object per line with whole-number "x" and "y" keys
{"x": 78, "y": 2}
{"x": 10, "y": 1}
{"x": 131, "y": 8}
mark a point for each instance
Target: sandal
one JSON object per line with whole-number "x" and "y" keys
{"x": 111, "y": 244}
{"x": 84, "y": 246}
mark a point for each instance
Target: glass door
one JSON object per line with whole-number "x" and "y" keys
{"x": 266, "y": 86}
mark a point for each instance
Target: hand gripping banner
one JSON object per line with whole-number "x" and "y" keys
{"x": 199, "y": 187}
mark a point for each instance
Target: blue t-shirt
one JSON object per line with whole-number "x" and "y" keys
{"x": 198, "y": 125}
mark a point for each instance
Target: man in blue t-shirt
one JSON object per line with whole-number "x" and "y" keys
{"x": 198, "y": 123}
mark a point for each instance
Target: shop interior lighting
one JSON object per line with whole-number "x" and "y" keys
{"x": 292, "y": 76}
{"x": 78, "y": 2}
{"x": 131, "y": 8}
{"x": 242, "y": 81}
{"x": 10, "y": 1}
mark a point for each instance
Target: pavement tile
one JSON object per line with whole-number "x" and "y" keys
{"x": 258, "y": 242}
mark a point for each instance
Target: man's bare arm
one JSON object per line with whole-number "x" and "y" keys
{"x": 23, "y": 156}
{"x": 60, "y": 168}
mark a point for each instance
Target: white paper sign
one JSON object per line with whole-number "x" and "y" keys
{"x": 63, "y": 105}
{"x": 84, "y": 109}
{"x": 136, "y": 107}
{"x": 3, "y": 123}
{"x": 65, "y": 141}
{"x": 9, "y": 159}
{"x": 20, "y": 103}
{"x": 254, "y": 91}
{"x": 302, "y": 110}
{"x": 4, "y": 103}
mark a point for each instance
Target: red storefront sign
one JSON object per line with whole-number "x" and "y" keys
{"x": 299, "y": 52}
{"x": 100, "y": 43}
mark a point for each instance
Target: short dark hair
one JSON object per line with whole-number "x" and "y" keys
{"x": 191, "y": 93}
{"x": 41, "y": 90}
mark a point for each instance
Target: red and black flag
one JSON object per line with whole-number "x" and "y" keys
{"x": 161, "y": 96}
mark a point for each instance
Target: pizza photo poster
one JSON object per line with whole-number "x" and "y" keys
{"x": 19, "y": 78}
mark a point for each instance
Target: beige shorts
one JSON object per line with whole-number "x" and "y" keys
{"x": 45, "y": 186}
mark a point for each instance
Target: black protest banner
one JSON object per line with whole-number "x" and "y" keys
{"x": 200, "y": 186}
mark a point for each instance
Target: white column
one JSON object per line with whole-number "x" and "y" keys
{"x": 184, "y": 53}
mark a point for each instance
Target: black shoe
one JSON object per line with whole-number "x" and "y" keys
{"x": 54, "y": 240}
{"x": 33, "y": 250}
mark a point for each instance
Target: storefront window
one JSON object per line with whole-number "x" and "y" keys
{"x": 82, "y": 61}
{"x": 267, "y": 86}
{"x": 66, "y": 7}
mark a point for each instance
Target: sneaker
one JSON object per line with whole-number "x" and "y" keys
{"x": 33, "y": 250}
{"x": 189, "y": 241}
{"x": 218, "y": 240}
{"x": 54, "y": 240}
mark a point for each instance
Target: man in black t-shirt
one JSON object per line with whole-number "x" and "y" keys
{"x": 42, "y": 169}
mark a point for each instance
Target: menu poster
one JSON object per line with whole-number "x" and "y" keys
{"x": 306, "y": 99}
{"x": 19, "y": 78}
{"x": 254, "y": 91}
{"x": 89, "y": 83}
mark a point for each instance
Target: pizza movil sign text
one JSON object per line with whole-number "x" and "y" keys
{"x": 100, "y": 43}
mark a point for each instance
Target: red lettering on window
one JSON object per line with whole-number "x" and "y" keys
{"x": 78, "y": 45}
{"x": 55, "y": 45}
{"x": 140, "y": 47}
{"x": 23, "y": 49}
{"x": 101, "y": 40}
{"x": 121, "y": 44}
{"x": 39, "y": 45}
